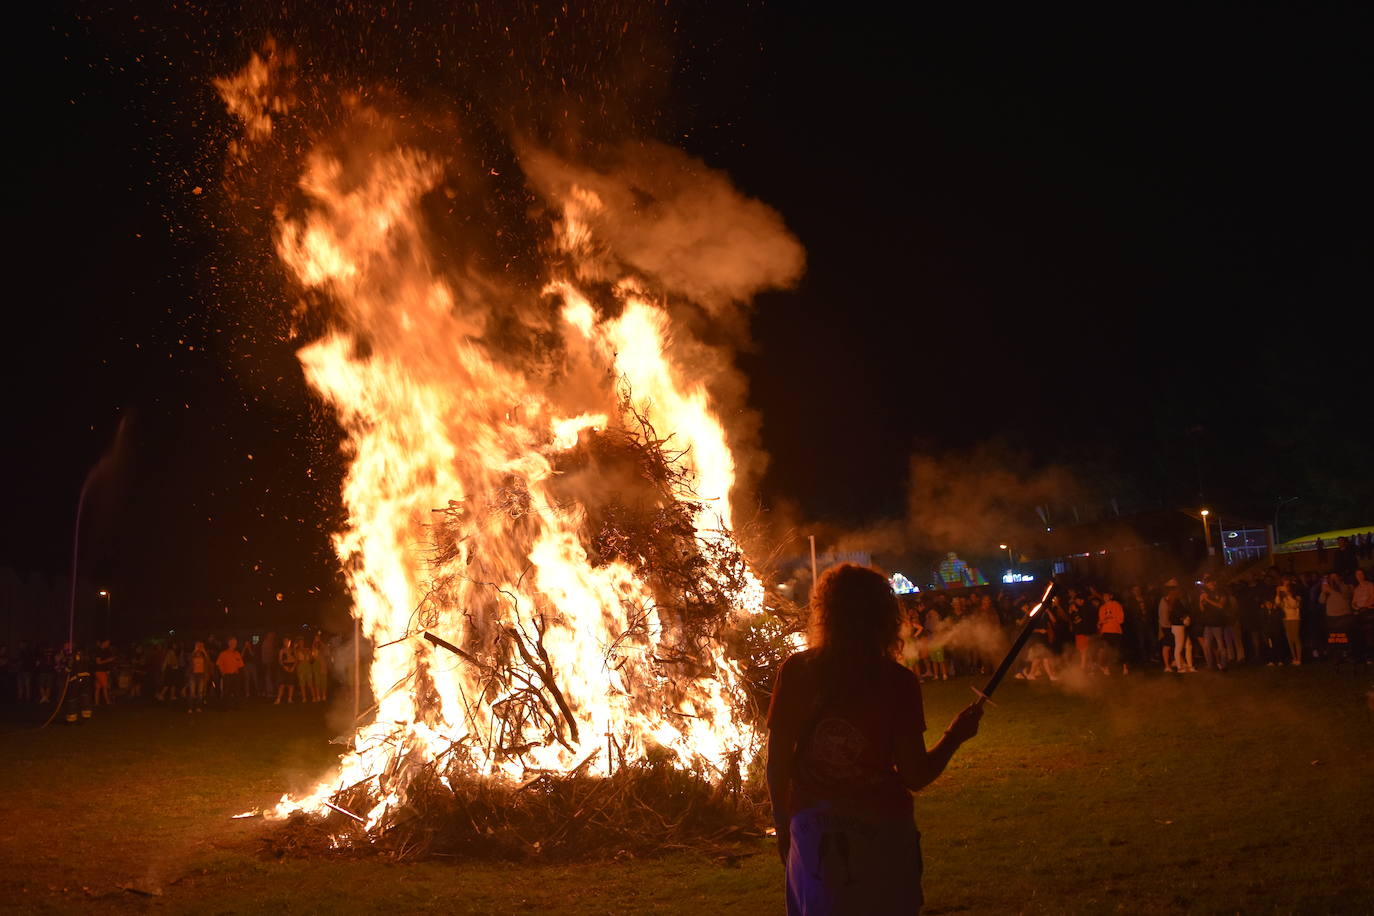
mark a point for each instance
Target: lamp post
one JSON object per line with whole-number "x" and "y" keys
{"x": 105, "y": 593}
{"x": 1007, "y": 548}
{"x": 1277, "y": 509}
{"x": 814, "y": 575}
{"x": 1207, "y": 532}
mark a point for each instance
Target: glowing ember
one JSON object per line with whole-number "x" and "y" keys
{"x": 540, "y": 480}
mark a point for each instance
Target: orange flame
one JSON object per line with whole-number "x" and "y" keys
{"x": 438, "y": 413}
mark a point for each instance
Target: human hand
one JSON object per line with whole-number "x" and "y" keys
{"x": 965, "y": 724}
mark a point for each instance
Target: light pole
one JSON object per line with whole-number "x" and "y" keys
{"x": 105, "y": 593}
{"x": 814, "y": 576}
{"x": 1277, "y": 509}
{"x": 1010, "y": 561}
{"x": 1207, "y": 532}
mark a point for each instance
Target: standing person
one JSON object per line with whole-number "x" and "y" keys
{"x": 198, "y": 665}
{"x": 845, "y": 749}
{"x": 1235, "y": 649}
{"x": 214, "y": 684}
{"x": 305, "y": 671}
{"x": 1164, "y": 619}
{"x": 1313, "y": 616}
{"x": 319, "y": 657}
{"x": 1083, "y": 617}
{"x": 138, "y": 670}
{"x": 955, "y": 631}
{"x": 230, "y": 665}
{"x": 268, "y": 665}
{"x": 935, "y": 626}
{"x": 1274, "y": 639}
{"x": 79, "y": 690}
{"x": 251, "y": 685}
{"x": 911, "y": 638}
{"x": 1180, "y": 619}
{"x": 1290, "y": 605}
{"x": 1038, "y": 649}
{"x": 1252, "y": 622}
{"x": 286, "y": 671}
{"x": 104, "y": 664}
{"x": 173, "y": 675}
{"x": 1111, "y": 620}
{"x": 1058, "y": 627}
{"x": 1361, "y": 597}
{"x": 924, "y": 667}
{"x": 1335, "y": 598}
{"x": 1212, "y": 610}
{"x": 47, "y": 674}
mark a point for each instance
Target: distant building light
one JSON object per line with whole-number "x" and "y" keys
{"x": 901, "y": 585}
{"x": 1010, "y": 577}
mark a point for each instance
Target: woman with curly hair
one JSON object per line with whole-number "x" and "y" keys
{"x": 845, "y": 752}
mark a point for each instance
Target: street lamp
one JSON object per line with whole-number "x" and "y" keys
{"x": 105, "y": 593}
{"x": 1007, "y": 548}
{"x": 1207, "y": 533}
{"x": 1277, "y": 509}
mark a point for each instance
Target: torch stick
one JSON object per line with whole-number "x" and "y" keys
{"x": 1015, "y": 650}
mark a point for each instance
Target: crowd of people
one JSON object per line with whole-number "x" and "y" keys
{"x": 1268, "y": 619}
{"x": 278, "y": 668}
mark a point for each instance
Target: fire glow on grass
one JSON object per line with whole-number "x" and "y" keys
{"x": 465, "y": 408}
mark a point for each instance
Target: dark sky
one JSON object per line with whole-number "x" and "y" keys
{"x": 1136, "y": 246}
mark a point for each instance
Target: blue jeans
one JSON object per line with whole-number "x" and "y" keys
{"x": 851, "y": 862}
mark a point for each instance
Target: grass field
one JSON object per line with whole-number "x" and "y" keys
{"x": 1247, "y": 792}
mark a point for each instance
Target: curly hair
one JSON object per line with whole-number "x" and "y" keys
{"x": 855, "y": 617}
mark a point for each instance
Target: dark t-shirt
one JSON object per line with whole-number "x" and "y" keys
{"x": 1212, "y": 609}
{"x": 847, "y": 749}
{"x": 1084, "y": 615}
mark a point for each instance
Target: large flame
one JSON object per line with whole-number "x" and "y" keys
{"x": 459, "y": 524}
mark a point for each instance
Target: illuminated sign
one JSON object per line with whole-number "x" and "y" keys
{"x": 901, "y": 585}
{"x": 1010, "y": 577}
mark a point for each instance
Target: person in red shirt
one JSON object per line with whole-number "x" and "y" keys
{"x": 1110, "y": 618}
{"x": 845, "y": 752}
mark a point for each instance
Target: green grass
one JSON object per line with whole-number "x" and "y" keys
{"x": 1250, "y": 792}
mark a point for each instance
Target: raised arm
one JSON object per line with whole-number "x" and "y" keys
{"x": 919, "y": 766}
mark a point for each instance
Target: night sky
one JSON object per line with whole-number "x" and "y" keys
{"x": 1136, "y": 248}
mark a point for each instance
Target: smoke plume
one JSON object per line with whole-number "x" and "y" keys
{"x": 976, "y": 500}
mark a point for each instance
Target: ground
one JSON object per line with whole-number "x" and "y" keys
{"x": 1249, "y": 791}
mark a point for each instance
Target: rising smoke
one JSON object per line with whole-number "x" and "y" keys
{"x": 975, "y": 500}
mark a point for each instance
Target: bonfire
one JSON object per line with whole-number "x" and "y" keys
{"x": 570, "y": 647}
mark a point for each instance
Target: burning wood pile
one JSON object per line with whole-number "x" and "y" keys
{"x": 539, "y": 537}
{"x": 644, "y": 803}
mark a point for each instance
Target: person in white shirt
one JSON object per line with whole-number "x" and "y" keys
{"x": 1291, "y": 605}
{"x": 1362, "y": 598}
